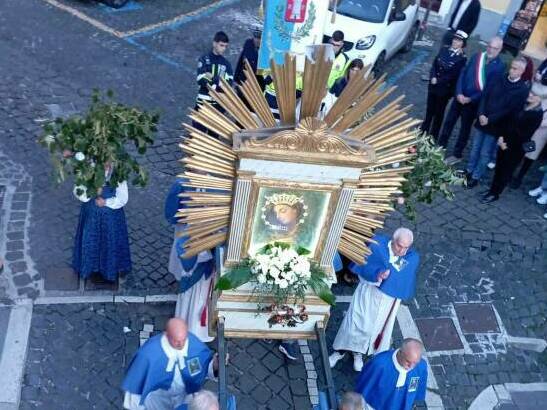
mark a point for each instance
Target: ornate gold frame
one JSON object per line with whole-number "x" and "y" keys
{"x": 310, "y": 142}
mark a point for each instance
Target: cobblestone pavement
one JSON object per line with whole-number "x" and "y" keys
{"x": 78, "y": 353}
{"x": 51, "y": 62}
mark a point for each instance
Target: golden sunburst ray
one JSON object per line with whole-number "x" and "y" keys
{"x": 361, "y": 113}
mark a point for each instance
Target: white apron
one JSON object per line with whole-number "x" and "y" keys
{"x": 364, "y": 320}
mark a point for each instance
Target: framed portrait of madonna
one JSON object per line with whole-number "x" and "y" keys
{"x": 295, "y": 214}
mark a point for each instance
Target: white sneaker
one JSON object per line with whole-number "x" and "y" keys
{"x": 542, "y": 200}
{"x": 357, "y": 362}
{"x": 535, "y": 192}
{"x": 334, "y": 358}
{"x": 491, "y": 165}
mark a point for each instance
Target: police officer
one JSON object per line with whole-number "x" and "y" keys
{"x": 444, "y": 74}
{"x": 212, "y": 67}
{"x": 341, "y": 59}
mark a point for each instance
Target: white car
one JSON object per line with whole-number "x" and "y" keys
{"x": 374, "y": 30}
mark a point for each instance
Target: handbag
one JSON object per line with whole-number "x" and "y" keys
{"x": 529, "y": 146}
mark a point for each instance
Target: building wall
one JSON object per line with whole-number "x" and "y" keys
{"x": 498, "y": 6}
{"x": 492, "y": 14}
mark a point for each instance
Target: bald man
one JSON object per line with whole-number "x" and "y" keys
{"x": 387, "y": 277}
{"x": 167, "y": 369}
{"x": 394, "y": 379}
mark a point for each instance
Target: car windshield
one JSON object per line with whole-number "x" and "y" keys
{"x": 373, "y": 11}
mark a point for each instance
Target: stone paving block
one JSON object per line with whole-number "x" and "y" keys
{"x": 61, "y": 278}
{"x": 98, "y": 283}
{"x": 439, "y": 334}
{"x": 275, "y": 383}
{"x": 476, "y": 318}
{"x": 261, "y": 394}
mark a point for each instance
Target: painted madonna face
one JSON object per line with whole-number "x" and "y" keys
{"x": 284, "y": 212}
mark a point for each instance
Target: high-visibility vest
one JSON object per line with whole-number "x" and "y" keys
{"x": 270, "y": 88}
{"x": 339, "y": 67}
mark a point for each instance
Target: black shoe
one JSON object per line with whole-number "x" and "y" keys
{"x": 472, "y": 183}
{"x": 489, "y": 198}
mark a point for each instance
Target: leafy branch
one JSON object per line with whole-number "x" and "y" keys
{"x": 430, "y": 176}
{"x": 84, "y": 146}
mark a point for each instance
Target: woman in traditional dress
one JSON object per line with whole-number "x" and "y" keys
{"x": 102, "y": 243}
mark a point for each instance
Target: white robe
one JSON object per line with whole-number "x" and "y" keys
{"x": 365, "y": 318}
{"x": 190, "y": 304}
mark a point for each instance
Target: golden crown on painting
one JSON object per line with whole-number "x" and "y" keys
{"x": 283, "y": 199}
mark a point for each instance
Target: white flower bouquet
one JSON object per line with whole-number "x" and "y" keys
{"x": 281, "y": 272}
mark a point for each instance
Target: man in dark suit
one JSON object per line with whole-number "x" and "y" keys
{"x": 464, "y": 17}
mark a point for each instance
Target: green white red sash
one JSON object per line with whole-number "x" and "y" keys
{"x": 480, "y": 71}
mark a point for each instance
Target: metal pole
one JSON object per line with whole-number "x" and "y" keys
{"x": 331, "y": 393}
{"x": 222, "y": 392}
{"x": 424, "y": 23}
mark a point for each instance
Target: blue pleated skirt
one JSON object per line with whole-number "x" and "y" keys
{"x": 102, "y": 243}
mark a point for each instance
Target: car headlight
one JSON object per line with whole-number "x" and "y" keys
{"x": 365, "y": 43}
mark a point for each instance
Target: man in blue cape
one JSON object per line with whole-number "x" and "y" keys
{"x": 394, "y": 379}
{"x": 387, "y": 277}
{"x": 167, "y": 369}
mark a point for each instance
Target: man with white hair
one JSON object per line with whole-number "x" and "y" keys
{"x": 482, "y": 67}
{"x": 502, "y": 98}
{"x": 387, "y": 277}
{"x": 204, "y": 400}
{"x": 351, "y": 401}
{"x": 394, "y": 379}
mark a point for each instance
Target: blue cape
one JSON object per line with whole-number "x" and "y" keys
{"x": 172, "y": 201}
{"x": 337, "y": 262}
{"x": 172, "y": 205}
{"x": 399, "y": 284}
{"x": 202, "y": 269}
{"x": 378, "y": 380}
{"x": 147, "y": 372}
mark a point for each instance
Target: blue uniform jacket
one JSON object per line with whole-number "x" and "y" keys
{"x": 400, "y": 284}
{"x": 147, "y": 372}
{"x": 378, "y": 380}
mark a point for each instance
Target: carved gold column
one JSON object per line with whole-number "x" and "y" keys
{"x": 338, "y": 221}
{"x": 239, "y": 216}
